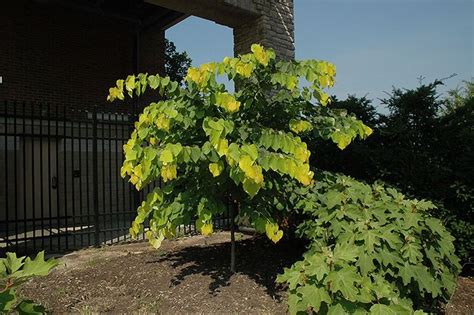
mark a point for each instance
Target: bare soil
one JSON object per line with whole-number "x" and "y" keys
{"x": 188, "y": 275}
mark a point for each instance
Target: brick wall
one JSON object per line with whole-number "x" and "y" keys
{"x": 151, "y": 58}
{"x": 60, "y": 55}
{"x": 67, "y": 56}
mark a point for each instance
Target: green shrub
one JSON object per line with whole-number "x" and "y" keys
{"x": 372, "y": 251}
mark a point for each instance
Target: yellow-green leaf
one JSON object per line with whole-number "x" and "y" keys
{"x": 130, "y": 83}
{"x": 250, "y": 187}
{"x": 273, "y": 232}
{"x": 166, "y": 156}
{"x": 341, "y": 139}
{"x": 260, "y": 54}
{"x": 207, "y": 229}
{"x": 216, "y": 168}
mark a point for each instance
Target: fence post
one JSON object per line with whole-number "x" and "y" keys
{"x": 136, "y": 114}
{"x": 95, "y": 179}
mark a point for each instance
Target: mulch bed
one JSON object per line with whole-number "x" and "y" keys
{"x": 189, "y": 275}
{"x": 462, "y": 302}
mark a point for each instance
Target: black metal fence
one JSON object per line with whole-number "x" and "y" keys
{"x": 60, "y": 184}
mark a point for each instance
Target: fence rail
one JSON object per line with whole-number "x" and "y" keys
{"x": 60, "y": 184}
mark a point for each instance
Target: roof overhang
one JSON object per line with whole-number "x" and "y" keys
{"x": 231, "y": 13}
{"x": 138, "y": 12}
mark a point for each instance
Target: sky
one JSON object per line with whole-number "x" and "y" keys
{"x": 375, "y": 44}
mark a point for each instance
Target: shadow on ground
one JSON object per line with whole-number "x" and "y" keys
{"x": 256, "y": 258}
{"x": 185, "y": 276}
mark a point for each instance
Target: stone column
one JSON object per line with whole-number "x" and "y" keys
{"x": 273, "y": 27}
{"x": 268, "y": 22}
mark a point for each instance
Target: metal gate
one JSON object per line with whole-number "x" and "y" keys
{"x": 60, "y": 184}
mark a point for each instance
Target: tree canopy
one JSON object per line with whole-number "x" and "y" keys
{"x": 211, "y": 147}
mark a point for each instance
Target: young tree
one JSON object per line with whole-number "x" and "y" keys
{"x": 213, "y": 148}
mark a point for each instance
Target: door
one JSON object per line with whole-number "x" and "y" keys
{"x": 39, "y": 180}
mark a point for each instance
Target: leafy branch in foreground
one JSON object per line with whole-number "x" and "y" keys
{"x": 15, "y": 271}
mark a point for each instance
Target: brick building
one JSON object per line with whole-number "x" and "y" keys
{"x": 71, "y": 51}
{"x": 59, "y": 159}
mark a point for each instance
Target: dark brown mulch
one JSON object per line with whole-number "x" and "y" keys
{"x": 183, "y": 277}
{"x": 462, "y": 301}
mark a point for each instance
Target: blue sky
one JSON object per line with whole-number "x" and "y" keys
{"x": 375, "y": 44}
